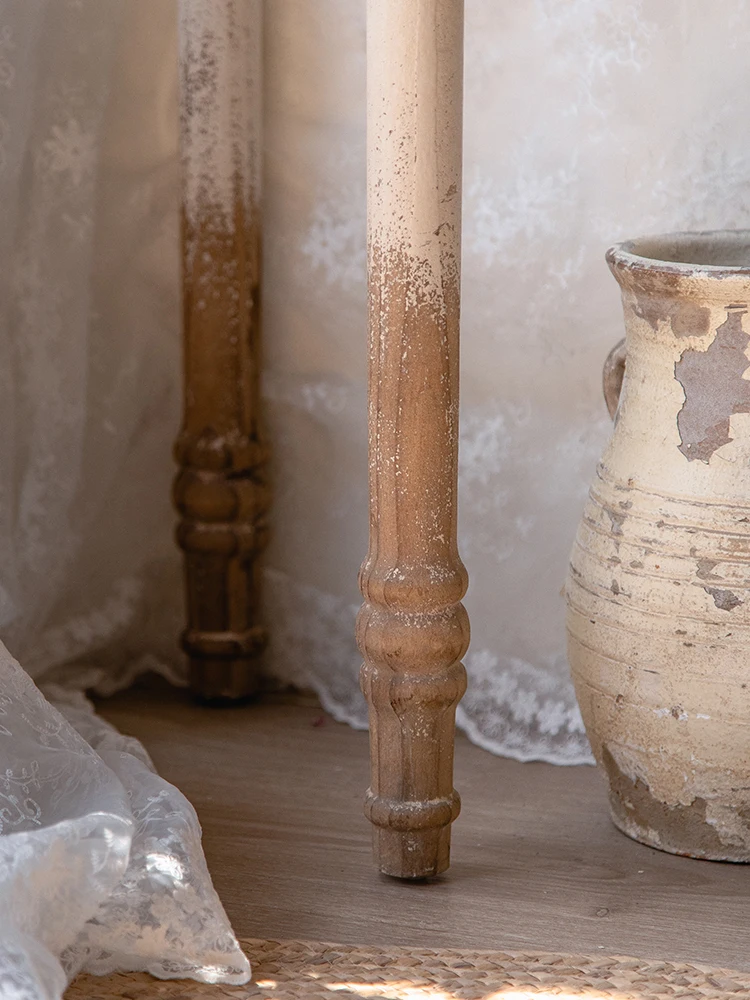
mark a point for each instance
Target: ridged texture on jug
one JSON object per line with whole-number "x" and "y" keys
{"x": 659, "y": 583}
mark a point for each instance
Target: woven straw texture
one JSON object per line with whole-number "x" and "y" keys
{"x": 299, "y": 970}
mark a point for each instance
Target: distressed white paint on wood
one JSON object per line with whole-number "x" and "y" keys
{"x": 220, "y": 491}
{"x": 221, "y": 70}
{"x": 413, "y": 629}
{"x": 415, "y": 88}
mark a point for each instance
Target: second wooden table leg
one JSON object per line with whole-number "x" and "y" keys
{"x": 221, "y": 491}
{"x": 412, "y": 629}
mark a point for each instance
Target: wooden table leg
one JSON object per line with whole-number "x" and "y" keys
{"x": 412, "y": 628}
{"x": 220, "y": 491}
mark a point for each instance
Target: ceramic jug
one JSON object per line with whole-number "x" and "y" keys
{"x": 659, "y": 583}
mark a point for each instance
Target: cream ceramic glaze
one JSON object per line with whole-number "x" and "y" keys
{"x": 659, "y": 583}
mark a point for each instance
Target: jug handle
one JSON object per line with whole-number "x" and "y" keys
{"x": 612, "y": 376}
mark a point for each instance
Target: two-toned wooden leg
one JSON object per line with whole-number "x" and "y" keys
{"x": 412, "y": 628}
{"x": 220, "y": 491}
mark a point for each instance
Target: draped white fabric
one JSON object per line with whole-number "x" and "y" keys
{"x": 586, "y": 121}
{"x": 101, "y": 865}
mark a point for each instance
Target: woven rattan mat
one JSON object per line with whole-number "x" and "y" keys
{"x": 299, "y": 970}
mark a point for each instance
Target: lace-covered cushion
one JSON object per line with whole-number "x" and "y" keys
{"x": 164, "y": 916}
{"x": 101, "y": 866}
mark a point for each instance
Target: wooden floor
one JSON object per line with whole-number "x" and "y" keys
{"x": 536, "y": 863}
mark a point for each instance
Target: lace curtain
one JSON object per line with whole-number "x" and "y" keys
{"x": 101, "y": 865}
{"x": 586, "y": 121}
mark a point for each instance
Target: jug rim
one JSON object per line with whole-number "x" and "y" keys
{"x": 712, "y": 252}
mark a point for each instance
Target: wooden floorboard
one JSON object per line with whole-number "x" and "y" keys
{"x": 536, "y": 862}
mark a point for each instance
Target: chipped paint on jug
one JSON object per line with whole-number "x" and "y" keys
{"x": 659, "y": 583}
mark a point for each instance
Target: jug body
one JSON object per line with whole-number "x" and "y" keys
{"x": 659, "y": 582}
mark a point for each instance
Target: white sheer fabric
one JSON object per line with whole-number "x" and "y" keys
{"x": 101, "y": 866}
{"x": 89, "y": 352}
{"x": 586, "y": 121}
{"x": 100, "y": 859}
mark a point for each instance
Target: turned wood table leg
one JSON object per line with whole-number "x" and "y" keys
{"x": 220, "y": 491}
{"x": 413, "y": 629}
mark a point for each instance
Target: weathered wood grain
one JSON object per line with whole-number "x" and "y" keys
{"x": 220, "y": 491}
{"x": 413, "y": 629}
